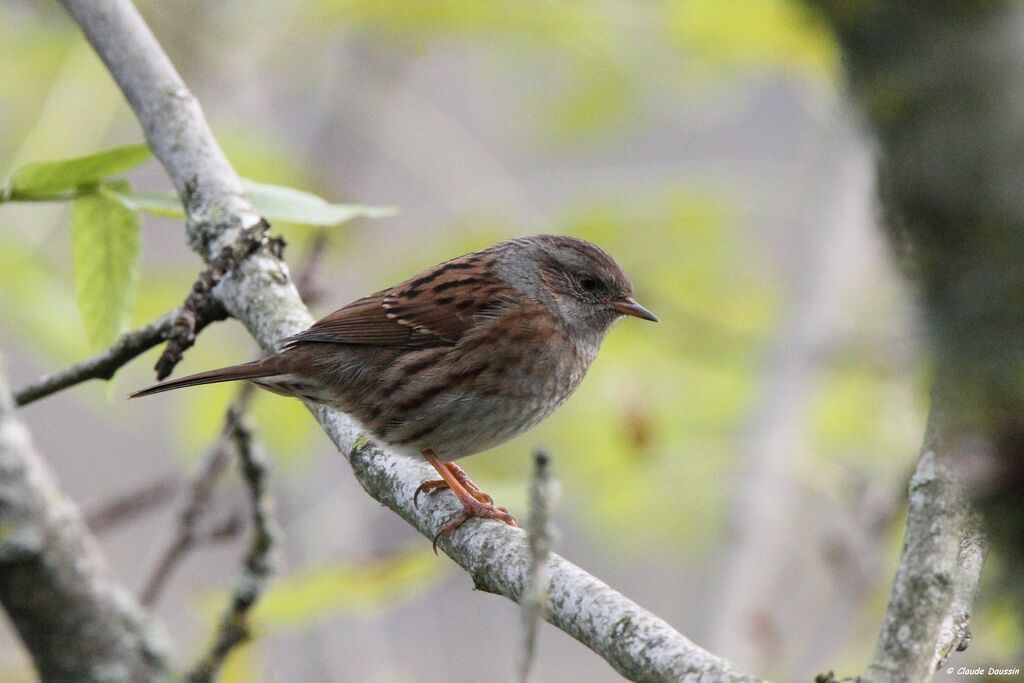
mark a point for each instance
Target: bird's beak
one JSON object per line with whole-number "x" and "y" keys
{"x": 629, "y": 306}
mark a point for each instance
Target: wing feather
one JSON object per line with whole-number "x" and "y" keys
{"x": 434, "y": 308}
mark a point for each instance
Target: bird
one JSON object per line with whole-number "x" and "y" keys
{"x": 457, "y": 359}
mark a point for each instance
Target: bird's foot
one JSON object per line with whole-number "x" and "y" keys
{"x": 475, "y": 503}
{"x": 473, "y": 508}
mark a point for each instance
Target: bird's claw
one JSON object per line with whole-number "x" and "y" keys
{"x": 427, "y": 487}
{"x": 468, "y": 512}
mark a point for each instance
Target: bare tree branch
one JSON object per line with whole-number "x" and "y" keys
{"x": 929, "y": 609}
{"x": 939, "y": 568}
{"x": 259, "y": 560}
{"x": 179, "y": 328}
{"x": 923, "y": 587}
{"x": 101, "y": 366}
{"x": 259, "y": 293}
{"x": 201, "y": 307}
{"x": 636, "y": 643}
{"x": 77, "y": 624}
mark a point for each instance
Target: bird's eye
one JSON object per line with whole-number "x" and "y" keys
{"x": 588, "y": 283}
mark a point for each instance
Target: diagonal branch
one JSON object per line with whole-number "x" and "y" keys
{"x": 259, "y": 293}
{"x": 179, "y": 328}
{"x": 101, "y": 366}
{"x": 939, "y": 568}
{"x": 932, "y": 593}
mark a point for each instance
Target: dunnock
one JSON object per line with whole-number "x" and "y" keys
{"x": 458, "y": 359}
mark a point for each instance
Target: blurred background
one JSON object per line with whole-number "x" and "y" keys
{"x": 739, "y": 469}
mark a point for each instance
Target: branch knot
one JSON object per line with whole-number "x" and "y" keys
{"x": 201, "y": 306}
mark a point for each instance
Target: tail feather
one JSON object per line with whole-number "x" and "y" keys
{"x": 253, "y": 370}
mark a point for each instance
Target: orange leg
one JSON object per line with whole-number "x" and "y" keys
{"x": 475, "y": 503}
{"x": 461, "y": 476}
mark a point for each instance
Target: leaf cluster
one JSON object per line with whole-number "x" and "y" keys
{"x": 105, "y": 223}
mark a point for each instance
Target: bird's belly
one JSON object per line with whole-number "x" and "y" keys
{"x": 489, "y": 410}
{"x": 468, "y": 424}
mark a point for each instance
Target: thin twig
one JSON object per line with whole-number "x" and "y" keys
{"x": 225, "y": 529}
{"x": 101, "y": 366}
{"x": 259, "y": 560}
{"x": 130, "y": 505}
{"x": 198, "y": 311}
{"x": 179, "y": 328}
{"x": 201, "y": 490}
{"x": 543, "y": 493}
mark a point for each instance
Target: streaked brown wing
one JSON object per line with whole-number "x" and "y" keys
{"x": 434, "y": 308}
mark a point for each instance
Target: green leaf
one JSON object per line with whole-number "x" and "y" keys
{"x": 275, "y": 202}
{"x": 105, "y": 246}
{"x": 50, "y": 177}
{"x": 164, "y": 204}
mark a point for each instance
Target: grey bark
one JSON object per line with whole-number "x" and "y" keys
{"x": 75, "y": 621}
{"x": 933, "y": 590}
{"x": 261, "y": 295}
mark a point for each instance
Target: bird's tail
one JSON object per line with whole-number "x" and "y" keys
{"x": 264, "y": 367}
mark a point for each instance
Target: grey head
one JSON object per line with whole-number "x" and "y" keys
{"x": 578, "y": 281}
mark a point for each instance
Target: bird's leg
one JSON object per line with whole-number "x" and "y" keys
{"x": 462, "y": 477}
{"x": 475, "y": 503}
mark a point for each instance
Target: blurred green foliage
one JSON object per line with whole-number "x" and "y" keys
{"x": 604, "y": 82}
{"x": 315, "y": 593}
